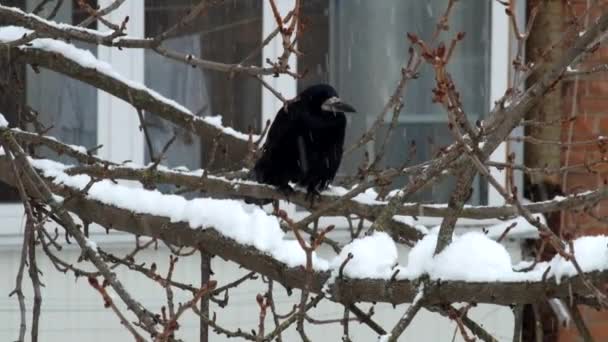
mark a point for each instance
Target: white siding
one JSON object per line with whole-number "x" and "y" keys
{"x": 73, "y": 311}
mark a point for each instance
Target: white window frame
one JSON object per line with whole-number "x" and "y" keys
{"x": 117, "y": 121}
{"x": 118, "y": 125}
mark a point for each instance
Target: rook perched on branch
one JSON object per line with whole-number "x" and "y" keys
{"x": 305, "y": 142}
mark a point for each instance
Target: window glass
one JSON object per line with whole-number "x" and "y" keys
{"x": 226, "y": 33}
{"x": 363, "y": 61}
{"x": 68, "y": 106}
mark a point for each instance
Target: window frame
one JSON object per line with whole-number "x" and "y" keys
{"x": 116, "y": 117}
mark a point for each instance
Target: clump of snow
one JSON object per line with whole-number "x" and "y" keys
{"x": 409, "y": 220}
{"x": 246, "y": 224}
{"x": 3, "y": 122}
{"x": 522, "y": 228}
{"x": 561, "y": 311}
{"x": 79, "y": 149}
{"x": 367, "y": 197}
{"x": 420, "y": 258}
{"x": 86, "y": 59}
{"x": 374, "y": 256}
{"x": 405, "y": 219}
{"x": 591, "y": 253}
{"x": 419, "y": 294}
{"x": 291, "y": 253}
{"x": 474, "y": 256}
{"x": 91, "y": 244}
{"x": 216, "y": 121}
{"x": 384, "y": 338}
{"x": 470, "y": 257}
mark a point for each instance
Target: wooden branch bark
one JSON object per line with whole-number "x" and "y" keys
{"x": 458, "y": 198}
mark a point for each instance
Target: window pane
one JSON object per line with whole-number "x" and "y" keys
{"x": 66, "y": 105}
{"x": 364, "y": 61}
{"x": 225, "y": 33}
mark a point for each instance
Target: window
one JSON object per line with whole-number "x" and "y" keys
{"x": 226, "y": 33}
{"x": 363, "y": 62}
{"x": 69, "y": 106}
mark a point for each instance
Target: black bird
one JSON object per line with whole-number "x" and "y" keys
{"x": 305, "y": 142}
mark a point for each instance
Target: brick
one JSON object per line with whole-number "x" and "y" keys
{"x": 591, "y": 104}
{"x": 596, "y": 322}
{"x": 590, "y": 100}
{"x": 596, "y": 88}
{"x": 582, "y": 181}
{"x": 578, "y": 222}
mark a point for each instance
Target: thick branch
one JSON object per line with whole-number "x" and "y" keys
{"x": 141, "y": 98}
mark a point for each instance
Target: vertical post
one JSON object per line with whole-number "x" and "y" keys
{"x": 117, "y": 120}
{"x": 205, "y": 276}
{"x": 499, "y": 72}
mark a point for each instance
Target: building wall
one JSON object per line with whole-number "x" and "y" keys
{"x": 586, "y": 103}
{"x": 73, "y": 311}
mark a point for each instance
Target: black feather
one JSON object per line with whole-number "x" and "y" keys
{"x": 304, "y": 143}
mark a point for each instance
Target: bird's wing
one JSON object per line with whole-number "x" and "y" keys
{"x": 336, "y": 153}
{"x": 283, "y": 124}
{"x": 274, "y": 165}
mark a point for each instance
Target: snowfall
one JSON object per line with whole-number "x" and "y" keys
{"x": 473, "y": 256}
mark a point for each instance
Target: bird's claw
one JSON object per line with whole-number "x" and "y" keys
{"x": 311, "y": 195}
{"x": 286, "y": 191}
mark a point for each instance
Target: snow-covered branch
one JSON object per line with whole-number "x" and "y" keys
{"x": 255, "y": 246}
{"x": 83, "y": 66}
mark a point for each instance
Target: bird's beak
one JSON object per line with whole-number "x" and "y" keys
{"x": 334, "y": 104}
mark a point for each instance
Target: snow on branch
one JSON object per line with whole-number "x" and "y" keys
{"x": 250, "y": 237}
{"x": 80, "y": 64}
{"x": 364, "y": 204}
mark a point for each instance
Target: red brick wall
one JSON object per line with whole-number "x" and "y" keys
{"x": 586, "y": 99}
